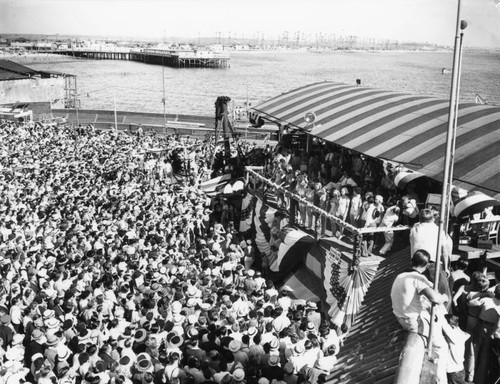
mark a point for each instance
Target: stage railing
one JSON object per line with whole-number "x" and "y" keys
{"x": 357, "y": 232}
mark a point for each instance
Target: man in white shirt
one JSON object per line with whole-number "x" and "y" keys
{"x": 456, "y": 352}
{"x": 407, "y": 292}
{"x": 391, "y": 217}
{"x": 424, "y": 235}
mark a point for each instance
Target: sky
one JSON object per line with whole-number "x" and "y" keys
{"x": 431, "y": 21}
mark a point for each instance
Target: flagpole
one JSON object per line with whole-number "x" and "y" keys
{"x": 164, "y": 101}
{"x": 463, "y": 25}
{"x": 447, "y": 177}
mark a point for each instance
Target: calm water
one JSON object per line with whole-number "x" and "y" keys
{"x": 262, "y": 75}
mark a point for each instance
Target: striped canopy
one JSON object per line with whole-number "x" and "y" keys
{"x": 399, "y": 127}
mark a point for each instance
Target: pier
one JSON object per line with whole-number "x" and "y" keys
{"x": 174, "y": 59}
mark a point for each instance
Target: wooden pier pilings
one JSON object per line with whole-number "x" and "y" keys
{"x": 170, "y": 59}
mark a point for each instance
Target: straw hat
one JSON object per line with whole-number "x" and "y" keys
{"x": 191, "y": 291}
{"x": 36, "y": 335}
{"x": 234, "y": 345}
{"x": 52, "y": 340}
{"x": 311, "y": 305}
{"x": 298, "y": 350}
{"x": 274, "y": 344}
{"x": 274, "y": 360}
{"x": 48, "y": 313}
{"x": 238, "y": 375}
{"x": 52, "y": 323}
{"x": 15, "y": 354}
{"x": 144, "y": 365}
{"x": 178, "y": 319}
{"x": 17, "y": 339}
{"x": 140, "y": 335}
{"x": 176, "y": 307}
{"x": 174, "y": 340}
{"x": 252, "y": 331}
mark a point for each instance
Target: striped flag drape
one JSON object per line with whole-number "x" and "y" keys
{"x": 263, "y": 220}
{"x": 292, "y": 250}
{"x": 305, "y": 285}
{"x": 344, "y": 288}
{"x": 271, "y": 198}
{"x": 247, "y": 211}
{"x": 326, "y": 275}
{"x": 212, "y": 186}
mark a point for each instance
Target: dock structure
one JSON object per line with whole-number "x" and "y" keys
{"x": 174, "y": 59}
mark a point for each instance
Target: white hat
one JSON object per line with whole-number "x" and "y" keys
{"x": 238, "y": 375}
{"x": 191, "y": 291}
{"x": 52, "y": 323}
{"x": 176, "y": 307}
{"x": 15, "y": 354}
{"x": 48, "y": 313}
{"x": 286, "y": 288}
{"x": 252, "y": 331}
{"x": 234, "y": 345}
{"x": 17, "y": 339}
{"x": 312, "y": 305}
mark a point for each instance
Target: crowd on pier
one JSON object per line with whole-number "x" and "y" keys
{"x": 117, "y": 269}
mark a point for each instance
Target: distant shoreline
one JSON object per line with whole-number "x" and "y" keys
{"x": 47, "y": 58}
{"x": 35, "y": 58}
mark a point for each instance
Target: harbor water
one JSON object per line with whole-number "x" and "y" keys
{"x": 260, "y": 75}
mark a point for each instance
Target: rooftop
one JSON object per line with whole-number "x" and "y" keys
{"x": 10, "y": 70}
{"x": 371, "y": 350}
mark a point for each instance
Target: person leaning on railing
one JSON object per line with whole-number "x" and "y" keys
{"x": 406, "y": 293}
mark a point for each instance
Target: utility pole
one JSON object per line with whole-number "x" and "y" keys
{"x": 164, "y": 100}
{"x": 76, "y": 105}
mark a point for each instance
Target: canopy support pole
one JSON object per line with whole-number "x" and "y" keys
{"x": 447, "y": 168}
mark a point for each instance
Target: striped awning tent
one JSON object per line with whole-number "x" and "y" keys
{"x": 467, "y": 203}
{"x": 403, "y": 178}
{"x": 404, "y": 128}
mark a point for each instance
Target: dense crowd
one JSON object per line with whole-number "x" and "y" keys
{"x": 116, "y": 269}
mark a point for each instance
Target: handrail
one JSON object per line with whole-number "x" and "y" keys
{"x": 411, "y": 360}
{"x": 482, "y": 221}
{"x": 350, "y": 227}
{"x": 304, "y": 201}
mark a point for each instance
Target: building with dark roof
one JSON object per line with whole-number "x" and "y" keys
{"x": 34, "y": 89}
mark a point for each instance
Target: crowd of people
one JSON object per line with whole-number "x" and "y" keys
{"x": 467, "y": 308}
{"x": 116, "y": 270}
